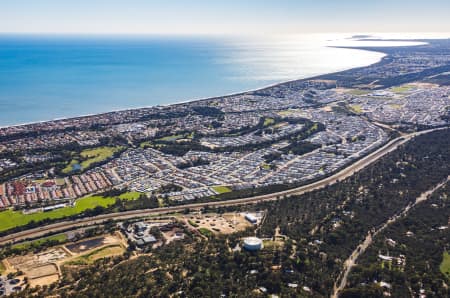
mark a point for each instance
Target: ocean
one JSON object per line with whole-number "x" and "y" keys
{"x": 45, "y": 77}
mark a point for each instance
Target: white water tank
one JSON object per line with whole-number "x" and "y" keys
{"x": 253, "y": 243}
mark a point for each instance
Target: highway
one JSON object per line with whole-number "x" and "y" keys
{"x": 338, "y": 176}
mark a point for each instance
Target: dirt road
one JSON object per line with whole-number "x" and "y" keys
{"x": 362, "y": 247}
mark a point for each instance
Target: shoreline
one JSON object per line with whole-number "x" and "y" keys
{"x": 190, "y": 101}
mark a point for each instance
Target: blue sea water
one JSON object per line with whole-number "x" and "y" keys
{"x": 47, "y": 77}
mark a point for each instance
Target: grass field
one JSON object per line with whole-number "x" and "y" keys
{"x": 146, "y": 144}
{"x": 90, "y": 156}
{"x": 171, "y": 138}
{"x": 193, "y": 223}
{"x": 445, "y": 265}
{"x": 395, "y": 106}
{"x": 290, "y": 112}
{"x": 358, "y": 92}
{"x": 10, "y": 219}
{"x": 269, "y": 121}
{"x": 266, "y": 166}
{"x": 401, "y": 89}
{"x": 133, "y": 195}
{"x": 2, "y": 267}
{"x": 205, "y": 232}
{"x": 221, "y": 189}
{"x": 100, "y": 253}
{"x": 25, "y": 245}
{"x": 356, "y": 109}
{"x": 69, "y": 167}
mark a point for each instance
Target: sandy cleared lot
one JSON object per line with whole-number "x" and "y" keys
{"x": 42, "y": 281}
{"x": 100, "y": 253}
{"x": 42, "y": 271}
{"x": 43, "y": 268}
{"x": 30, "y": 261}
{"x": 89, "y": 244}
{"x": 226, "y": 223}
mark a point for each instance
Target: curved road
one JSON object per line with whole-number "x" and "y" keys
{"x": 344, "y": 173}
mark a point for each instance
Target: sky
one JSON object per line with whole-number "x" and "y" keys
{"x": 223, "y": 17}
